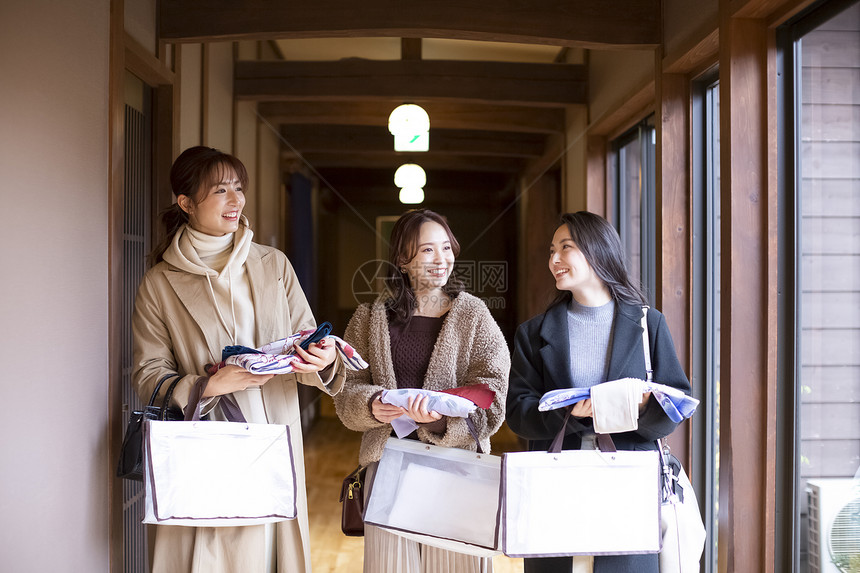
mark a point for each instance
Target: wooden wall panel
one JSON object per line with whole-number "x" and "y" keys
{"x": 541, "y": 206}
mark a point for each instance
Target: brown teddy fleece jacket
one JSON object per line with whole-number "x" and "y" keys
{"x": 470, "y": 349}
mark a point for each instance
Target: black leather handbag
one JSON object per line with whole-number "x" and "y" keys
{"x": 352, "y": 498}
{"x": 130, "y": 464}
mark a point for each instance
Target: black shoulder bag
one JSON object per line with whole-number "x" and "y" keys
{"x": 130, "y": 464}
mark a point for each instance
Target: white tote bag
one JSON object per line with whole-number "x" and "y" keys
{"x": 211, "y": 474}
{"x": 682, "y": 527}
{"x": 443, "y": 497}
{"x": 580, "y": 502}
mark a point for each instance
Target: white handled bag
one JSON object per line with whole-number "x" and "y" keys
{"x": 681, "y": 521}
{"x": 217, "y": 474}
{"x": 682, "y": 529}
{"x": 443, "y": 497}
{"x": 612, "y": 496}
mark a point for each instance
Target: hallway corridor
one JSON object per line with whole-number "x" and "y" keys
{"x": 331, "y": 451}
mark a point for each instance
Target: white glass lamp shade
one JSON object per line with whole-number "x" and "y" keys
{"x": 410, "y": 175}
{"x": 410, "y": 126}
{"x": 411, "y": 195}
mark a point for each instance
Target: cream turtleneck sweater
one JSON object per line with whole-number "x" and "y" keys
{"x": 222, "y": 261}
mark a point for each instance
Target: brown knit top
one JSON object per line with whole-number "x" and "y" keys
{"x": 411, "y": 347}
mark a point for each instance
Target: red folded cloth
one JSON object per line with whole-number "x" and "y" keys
{"x": 479, "y": 394}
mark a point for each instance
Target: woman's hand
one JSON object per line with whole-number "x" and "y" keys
{"x": 644, "y": 401}
{"x": 385, "y": 413}
{"x": 233, "y": 378}
{"x": 582, "y": 409}
{"x": 418, "y": 410}
{"x": 317, "y": 356}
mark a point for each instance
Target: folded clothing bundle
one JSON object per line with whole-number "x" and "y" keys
{"x": 677, "y": 405}
{"x": 457, "y": 402}
{"x": 279, "y": 356}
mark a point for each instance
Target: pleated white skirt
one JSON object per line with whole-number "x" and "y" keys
{"x": 386, "y": 552}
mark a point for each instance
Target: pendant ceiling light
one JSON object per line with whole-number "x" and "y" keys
{"x": 410, "y": 175}
{"x": 410, "y": 126}
{"x": 411, "y": 195}
{"x": 411, "y": 180}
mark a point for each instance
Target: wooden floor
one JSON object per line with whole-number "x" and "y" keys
{"x": 331, "y": 452}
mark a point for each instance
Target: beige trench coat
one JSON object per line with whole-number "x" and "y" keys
{"x": 177, "y": 330}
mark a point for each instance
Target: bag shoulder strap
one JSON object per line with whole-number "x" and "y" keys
{"x": 604, "y": 441}
{"x": 646, "y": 346}
{"x": 164, "y": 379}
{"x": 472, "y": 430}
{"x": 165, "y": 404}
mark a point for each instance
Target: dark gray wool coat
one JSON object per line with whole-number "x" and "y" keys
{"x": 541, "y": 362}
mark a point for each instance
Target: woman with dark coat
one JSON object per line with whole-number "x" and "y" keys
{"x": 590, "y": 334}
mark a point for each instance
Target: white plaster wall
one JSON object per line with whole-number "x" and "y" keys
{"x": 218, "y": 99}
{"x": 54, "y": 466}
{"x": 245, "y": 148}
{"x": 190, "y": 95}
{"x": 269, "y": 225}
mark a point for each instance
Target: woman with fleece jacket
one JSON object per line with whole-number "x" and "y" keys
{"x": 211, "y": 286}
{"x": 424, "y": 332}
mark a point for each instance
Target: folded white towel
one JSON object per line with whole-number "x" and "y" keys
{"x": 615, "y": 405}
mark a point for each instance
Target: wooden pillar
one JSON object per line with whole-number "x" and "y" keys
{"x": 748, "y": 290}
{"x": 674, "y": 248}
{"x": 596, "y": 184}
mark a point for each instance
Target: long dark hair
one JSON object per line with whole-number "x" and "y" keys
{"x": 195, "y": 170}
{"x": 402, "y": 249}
{"x": 601, "y": 246}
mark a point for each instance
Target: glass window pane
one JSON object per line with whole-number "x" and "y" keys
{"x": 705, "y": 373}
{"x": 829, "y": 293}
{"x": 634, "y": 182}
{"x": 712, "y": 306}
{"x": 630, "y": 158}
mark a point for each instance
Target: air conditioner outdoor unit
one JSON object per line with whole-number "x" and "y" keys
{"x": 834, "y": 523}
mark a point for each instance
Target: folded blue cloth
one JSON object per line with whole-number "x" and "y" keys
{"x": 229, "y": 351}
{"x": 677, "y": 405}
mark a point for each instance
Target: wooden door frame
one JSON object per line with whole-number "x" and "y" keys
{"x": 127, "y": 55}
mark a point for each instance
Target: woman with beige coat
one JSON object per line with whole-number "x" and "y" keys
{"x": 424, "y": 333}
{"x": 212, "y": 287}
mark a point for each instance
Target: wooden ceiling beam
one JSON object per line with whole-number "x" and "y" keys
{"x": 392, "y": 160}
{"x": 446, "y": 115}
{"x": 575, "y": 23}
{"x": 410, "y": 48}
{"x": 450, "y": 80}
{"x": 339, "y": 139}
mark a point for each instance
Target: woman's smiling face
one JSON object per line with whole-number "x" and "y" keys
{"x": 218, "y": 208}
{"x": 569, "y": 266}
{"x": 432, "y": 265}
